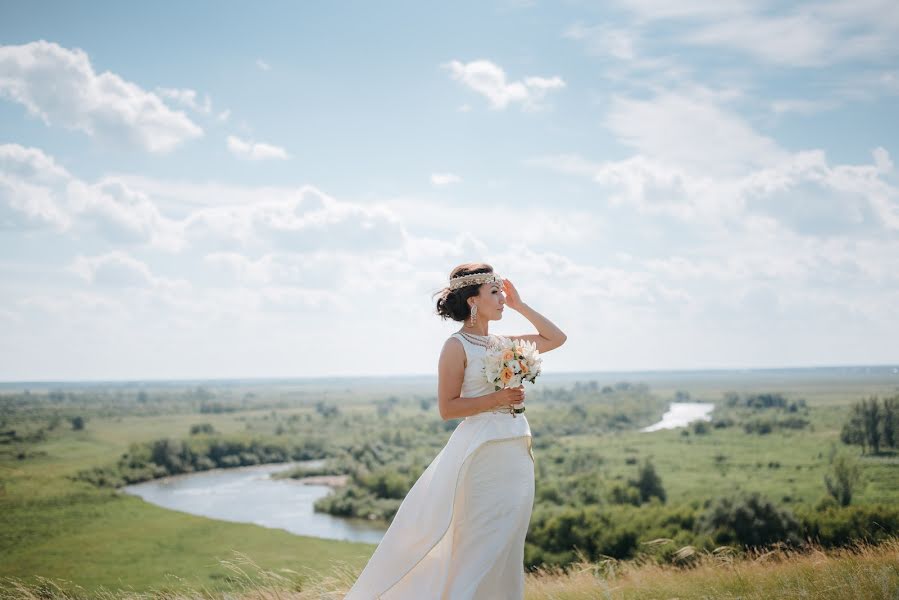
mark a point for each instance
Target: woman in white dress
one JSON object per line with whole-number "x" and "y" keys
{"x": 459, "y": 532}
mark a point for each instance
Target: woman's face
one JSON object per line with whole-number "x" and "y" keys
{"x": 490, "y": 300}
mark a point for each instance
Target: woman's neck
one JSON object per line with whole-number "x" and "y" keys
{"x": 480, "y": 330}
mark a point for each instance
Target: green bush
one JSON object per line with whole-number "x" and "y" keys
{"x": 843, "y": 526}
{"x": 750, "y": 521}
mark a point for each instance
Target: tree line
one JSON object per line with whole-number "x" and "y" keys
{"x": 872, "y": 424}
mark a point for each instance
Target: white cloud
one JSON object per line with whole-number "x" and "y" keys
{"x": 603, "y": 40}
{"x": 662, "y": 9}
{"x": 689, "y": 130}
{"x": 797, "y": 40}
{"x": 188, "y": 98}
{"x": 248, "y": 150}
{"x": 489, "y": 80}
{"x": 30, "y": 163}
{"x": 442, "y": 179}
{"x": 802, "y": 192}
{"x": 60, "y": 87}
{"x": 26, "y": 198}
{"x": 119, "y": 269}
{"x": 304, "y": 220}
{"x": 882, "y": 160}
{"x": 805, "y": 34}
{"x": 175, "y": 216}
{"x": 35, "y": 190}
{"x": 123, "y": 214}
{"x": 801, "y": 107}
{"x": 24, "y": 205}
{"x": 263, "y": 66}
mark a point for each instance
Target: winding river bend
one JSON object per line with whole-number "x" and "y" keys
{"x": 250, "y": 495}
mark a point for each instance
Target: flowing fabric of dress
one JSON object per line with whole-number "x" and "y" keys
{"x": 459, "y": 532}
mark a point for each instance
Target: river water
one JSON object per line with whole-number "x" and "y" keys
{"x": 249, "y": 495}
{"x": 683, "y": 413}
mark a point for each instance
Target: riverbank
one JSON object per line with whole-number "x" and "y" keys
{"x": 253, "y": 495}
{"x": 681, "y": 414}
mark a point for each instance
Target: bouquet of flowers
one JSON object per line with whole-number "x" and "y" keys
{"x": 510, "y": 362}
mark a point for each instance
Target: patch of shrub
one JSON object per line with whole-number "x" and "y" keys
{"x": 750, "y": 520}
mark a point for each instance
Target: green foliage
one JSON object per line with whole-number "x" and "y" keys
{"x": 168, "y": 456}
{"x": 843, "y": 479}
{"x": 78, "y": 423}
{"x": 648, "y": 483}
{"x": 554, "y": 536}
{"x": 749, "y": 520}
{"x": 844, "y": 526}
{"x": 202, "y": 428}
{"x": 586, "y": 443}
{"x": 871, "y": 423}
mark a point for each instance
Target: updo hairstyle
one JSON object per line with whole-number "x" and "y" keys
{"x": 453, "y": 304}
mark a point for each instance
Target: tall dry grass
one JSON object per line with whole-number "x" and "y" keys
{"x": 861, "y": 572}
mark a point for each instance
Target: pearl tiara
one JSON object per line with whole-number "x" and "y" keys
{"x": 475, "y": 278}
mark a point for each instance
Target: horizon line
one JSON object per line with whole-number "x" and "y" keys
{"x": 261, "y": 378}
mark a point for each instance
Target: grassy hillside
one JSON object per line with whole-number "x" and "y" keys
{"x": 587, "y": 447}
{"x": 863, "y": 573}
{"x": 55, "y": 527}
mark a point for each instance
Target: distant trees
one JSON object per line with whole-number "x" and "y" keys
{"x": 872, "y": 423}
{"x": 327, "y": 410}
{"x": 77, "y": 423}
{"x": 750, "y": 520}
{"x": 646, "y": 486}
{"x": 843, "y": 479}
{"x": 648, "y": 483}
{"x": 199, "y": 428}
{"x": 763, "y": 401}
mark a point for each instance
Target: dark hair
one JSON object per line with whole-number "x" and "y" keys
{"x": 453, "y": 304}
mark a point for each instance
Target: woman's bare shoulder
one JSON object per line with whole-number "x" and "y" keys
{"x": 454, "y": 349}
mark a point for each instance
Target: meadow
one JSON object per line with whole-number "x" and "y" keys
{"x": 62, "y": 517}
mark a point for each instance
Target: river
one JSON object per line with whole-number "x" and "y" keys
{"x": 683, "y": 413}
{"x": 250, "y": 495}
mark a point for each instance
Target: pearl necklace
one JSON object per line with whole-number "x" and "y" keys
{"x": 478, "y": 340}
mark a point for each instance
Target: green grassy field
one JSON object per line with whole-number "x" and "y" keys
{"x": 99, "y": 538}
{"x": 70, "y": 530}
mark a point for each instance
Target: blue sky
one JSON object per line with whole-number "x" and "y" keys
{"x": 236, "y": 190}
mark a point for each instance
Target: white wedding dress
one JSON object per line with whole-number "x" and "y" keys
{"x": 459, "y": 532}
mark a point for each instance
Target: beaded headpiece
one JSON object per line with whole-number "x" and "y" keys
{"x": 474, "y": 278}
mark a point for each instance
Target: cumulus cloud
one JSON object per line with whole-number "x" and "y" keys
{"x": 188, "y": 98}
{"x": 803, "y": 192}
{"x": 248, "y": 150}
{"x": 489, "y": 80}
{"x": 691, "y": 130}
{"x": 300, "y": 220}
{"x": 35, "y": 190}
{"x": 25, "y": 206}
{"x": 119, "y": 269}
{"x": 60, "y": 87}
{"x": 806, "y": 34}
{"x": 123, "y": 214}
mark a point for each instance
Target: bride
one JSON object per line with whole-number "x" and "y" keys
{"x": 459, "y": 532}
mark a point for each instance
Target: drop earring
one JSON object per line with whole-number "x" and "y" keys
{"x": 474, "y": 314}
